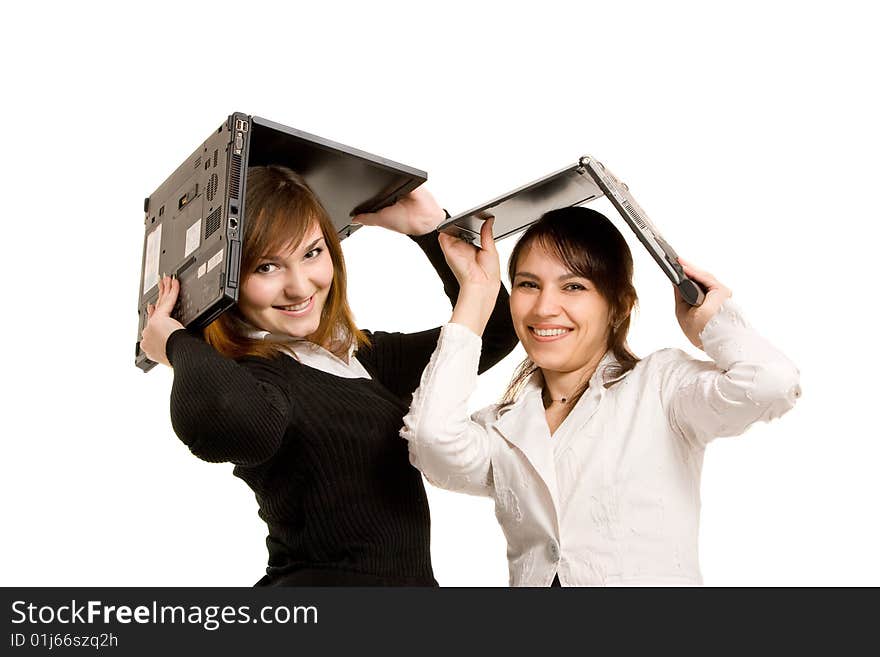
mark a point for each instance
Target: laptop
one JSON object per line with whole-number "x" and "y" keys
{"x": 582, "y": 182}
{"x": 194, "y": 221}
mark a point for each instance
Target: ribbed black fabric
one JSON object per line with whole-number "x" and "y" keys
{"x": 323, "y": 453}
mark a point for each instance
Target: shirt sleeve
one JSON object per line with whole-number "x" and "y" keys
{"x": 749, "y": 380}
{"x": 451, "y": 449}
{"x": 225, "y": 410}
{"x": 398, "y": 359}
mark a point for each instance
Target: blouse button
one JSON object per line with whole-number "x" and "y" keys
{"x": 553, "y": 548}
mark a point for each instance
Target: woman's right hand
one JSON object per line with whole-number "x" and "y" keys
{"x": 160, "y": 323}
{"x": 478, "y": 272}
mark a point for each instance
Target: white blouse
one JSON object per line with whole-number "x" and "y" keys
{"x": 613, "y": 497}
{"x": 317, "y": 357}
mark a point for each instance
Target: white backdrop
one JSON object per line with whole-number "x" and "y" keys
{"x": 748, "y": 133}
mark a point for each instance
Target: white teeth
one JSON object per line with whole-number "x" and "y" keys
{"x": 546, "y": 333}
{"x": 299, "y": 306}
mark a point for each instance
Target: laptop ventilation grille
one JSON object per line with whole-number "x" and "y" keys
{"x": 235, "y": 174}
{"x": 636, "y": 215}
{"x": 213, "y": 181}
{"x": 212, "y": 223}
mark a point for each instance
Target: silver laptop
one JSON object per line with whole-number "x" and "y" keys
{"x": 585, "y": 180}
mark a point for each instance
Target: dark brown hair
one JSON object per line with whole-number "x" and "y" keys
{"x": 588, "y": 244}
{"x": 280, "y": 209}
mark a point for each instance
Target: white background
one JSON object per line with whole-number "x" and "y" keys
{"x": 748, "y": 133}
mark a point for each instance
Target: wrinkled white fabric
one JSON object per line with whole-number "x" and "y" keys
{"x": 613, "y": 497}
{"x": 315, "y": 356}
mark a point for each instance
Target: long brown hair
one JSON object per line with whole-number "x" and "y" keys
{"x": 588, "y": 244}
{"x": 280, "y": 209}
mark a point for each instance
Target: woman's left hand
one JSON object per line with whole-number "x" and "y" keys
{"x": 417, "y": 213}
{"x": 693, "y": 319}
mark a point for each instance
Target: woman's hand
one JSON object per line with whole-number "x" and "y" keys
{"x": 693, "y": 319}
{"x": 160, "y": 323}
{"x": 417, "y": 213}
{"x": 473, "y": 266}
{"x": 479, "y": 276}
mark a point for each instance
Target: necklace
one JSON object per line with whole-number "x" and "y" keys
{"x": 547, "y": 397}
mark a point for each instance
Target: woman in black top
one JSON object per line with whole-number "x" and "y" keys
{"x": 319, "y": 443}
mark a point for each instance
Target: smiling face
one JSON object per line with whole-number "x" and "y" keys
{"x": 285, "y": 292}
{"x": 560, "y": 317}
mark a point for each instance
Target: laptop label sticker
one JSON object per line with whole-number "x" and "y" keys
{"x": 215, "y": 260}
{"x": 193, "y": 235}
{"x": 151, "y": 261}
{"x": 202, "y": 269}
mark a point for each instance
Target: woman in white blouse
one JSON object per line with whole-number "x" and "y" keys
{"x": 593, "y": 456}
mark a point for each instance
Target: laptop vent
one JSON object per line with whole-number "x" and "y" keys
{"x": 636, "y": 215}
{"x": 212, "y": 223}
{"x": 235, "y": 174}
{"x": 212, "y": 187}
{"x": 198, "y": 162}
{"x": 215, "y": 157}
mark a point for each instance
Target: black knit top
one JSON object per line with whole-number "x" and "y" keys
{"x": 323, "y": 453}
